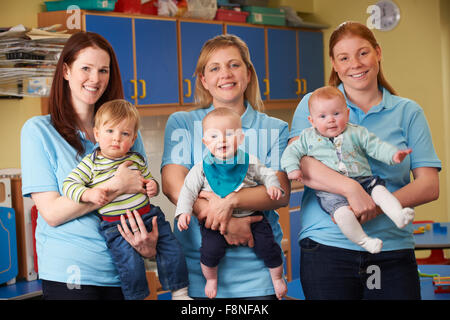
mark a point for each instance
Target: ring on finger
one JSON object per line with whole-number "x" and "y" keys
{"x": 135, "y": 230}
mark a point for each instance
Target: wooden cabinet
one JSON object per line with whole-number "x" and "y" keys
{"x": 254, "y": 37}
{"x": 157, "y": 57}
{"x": 147, "y": 53}
{"x": 192, "y": 37}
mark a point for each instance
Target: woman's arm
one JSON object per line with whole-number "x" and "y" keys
{"x": 56, "y": 209}
{"x": 423, "y": 189}
{"x": 318, "y": 176}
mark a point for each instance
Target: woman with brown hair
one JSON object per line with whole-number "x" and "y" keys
{"x": 73, "y": 259}
{"x": 332, "y": 267}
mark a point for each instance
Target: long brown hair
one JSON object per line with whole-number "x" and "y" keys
{"x": 62, "y": 113}
{"x": 351, "y": 28}
{"x": 202, "y": 96}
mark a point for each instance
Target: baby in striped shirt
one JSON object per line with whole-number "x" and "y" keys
{"x": 116, "y": 129}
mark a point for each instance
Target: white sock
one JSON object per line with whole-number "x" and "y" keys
{"x": 181, "y": 294}
{"x": 392, "y": 207}
{"x": 351, "y": 228}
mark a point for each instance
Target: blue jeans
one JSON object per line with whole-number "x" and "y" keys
{"x": 172, "y": 269}
{"x": 330, "y": 202}
{"x": 331, "y": 273}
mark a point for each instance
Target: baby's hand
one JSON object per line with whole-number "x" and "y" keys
{"x": 95, "y": 195}
{"x": 400, "y": 155}
{"x": 295, "y": 175}
{"x": 183, "y": 221}
{"x": 152, "y": 188}
{"x": 274, "y": 193}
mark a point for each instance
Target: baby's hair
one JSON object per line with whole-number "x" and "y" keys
{"x": 115, "y": 111}
{"x": 222, "y": 112}
{"x": 327, "y": 93}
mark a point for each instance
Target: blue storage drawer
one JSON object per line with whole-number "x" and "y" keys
{"x": 8, "y": 245}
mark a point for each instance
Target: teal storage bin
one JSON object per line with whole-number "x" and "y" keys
{"x": 263, "y": 15}
{"x": 8, "y": 245}
{"x": 100, "y": 5}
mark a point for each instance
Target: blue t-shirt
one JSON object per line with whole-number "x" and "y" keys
{"x": 73, "y": 252}
{"x": 396, "y": 120}
{"x": 240, "y": 272}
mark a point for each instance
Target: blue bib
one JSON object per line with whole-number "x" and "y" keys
{"x": 224, "y": 176}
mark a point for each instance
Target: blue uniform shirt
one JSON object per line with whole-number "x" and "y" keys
{"x": 73, "y": 252}
{"x": 396, "y": 120}
{"x": 240, "y": 272}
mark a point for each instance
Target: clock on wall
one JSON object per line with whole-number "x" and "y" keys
{"x": 389, "y": 15}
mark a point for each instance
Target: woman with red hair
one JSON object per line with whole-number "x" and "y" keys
{"x": 332, "y": 267}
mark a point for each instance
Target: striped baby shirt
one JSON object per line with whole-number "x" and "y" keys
{"x": 94, "y": 170}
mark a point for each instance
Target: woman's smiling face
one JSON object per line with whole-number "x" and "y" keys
{"x": 356, "y": 62}
{"x": 226, "y": 77}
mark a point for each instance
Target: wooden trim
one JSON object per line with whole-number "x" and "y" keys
{"x": 133, "y": 33}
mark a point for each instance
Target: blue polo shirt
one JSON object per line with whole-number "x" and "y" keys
{"x": 396, "y": 120}
{"x": 73, "y": 252}
{"x": 240, "y": 272}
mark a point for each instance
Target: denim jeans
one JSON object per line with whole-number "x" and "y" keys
{"x": 332, "y": 273}
{"x": 172, "y": 269}
{"x": 330, "y": 202}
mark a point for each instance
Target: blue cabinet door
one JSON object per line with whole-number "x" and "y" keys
{"x": 255, "y": 40}
{"x": 311, "y": 60}
{"x": 282, "y": 51}
{"x": 193, "y": 36}
{"x": 156, "y": 61}
{"x": 118, "y": 31}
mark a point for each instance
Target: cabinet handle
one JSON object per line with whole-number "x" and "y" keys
{"x": 305, "y": 90}
{"x": 144, "y": 89}
{"x": 189, "y": 93}
{"x": 267, "y": 87}
{"x": 299, "y": 87}
{"x": 134, "y": 82}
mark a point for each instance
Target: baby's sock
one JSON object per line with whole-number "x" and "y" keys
{"x": 181, "y": 294}
{"x": 392, "y": 207}
{"x": 351, "y": 228}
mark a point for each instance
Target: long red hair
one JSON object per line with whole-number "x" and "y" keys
{"x": 61, "y": 110}
{"x": 351, "y": 28}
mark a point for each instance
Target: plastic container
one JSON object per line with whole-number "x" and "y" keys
{"x": 99, "y": 5}
{"x": 263, "y": 15}
{"x": 201, "y": 9}
{"x": 231, "y": 15}
{"x": 259, "y": 3}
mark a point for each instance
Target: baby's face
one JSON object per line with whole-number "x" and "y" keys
{"x": 115, "y": 140}
{"x": 329, "y": 116}
{"x": 222, "y": 136}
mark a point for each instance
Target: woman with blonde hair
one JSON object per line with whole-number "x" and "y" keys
{"x": 226, "y": 79}
{"x": 331, "y": 266}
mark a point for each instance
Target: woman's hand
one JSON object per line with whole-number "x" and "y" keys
{"x": 141, "y": 240}
{"x": 361, "y": 203}
{"x": 239, "y": 231}
{"x": 218, "y": 213}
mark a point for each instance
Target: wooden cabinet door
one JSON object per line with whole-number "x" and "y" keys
{"x": 282, "y": 51}
{"x": 119, "y": 32}
{"x": 193, "y": 36}
{"x": 156, "y": 62}
{"x": 255, "y": 39}
{"x": 310, "y": 60}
